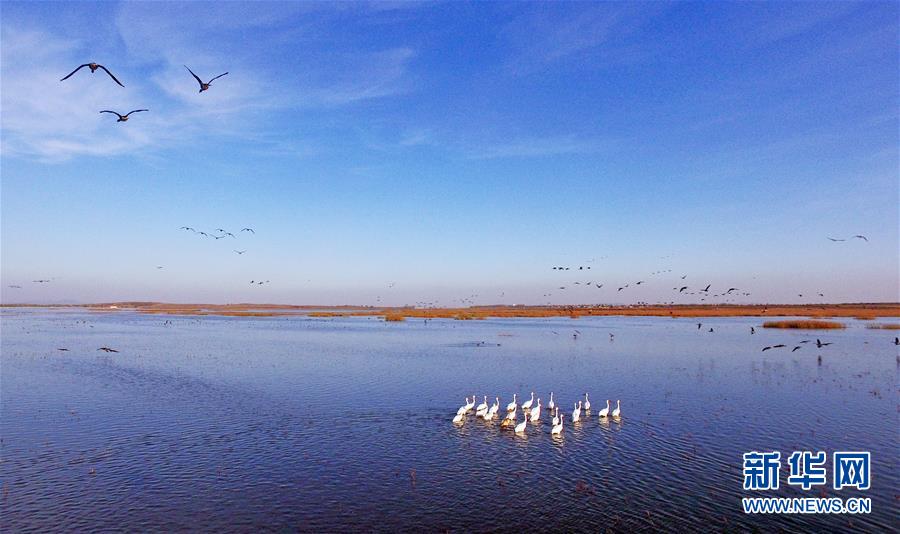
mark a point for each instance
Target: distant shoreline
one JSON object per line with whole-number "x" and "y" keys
{"x": 863, "y": 311}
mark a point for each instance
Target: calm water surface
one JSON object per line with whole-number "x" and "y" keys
{"x": 339, "y": 424}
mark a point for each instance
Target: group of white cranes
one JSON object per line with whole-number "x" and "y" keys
{"x": 531, "y": 411}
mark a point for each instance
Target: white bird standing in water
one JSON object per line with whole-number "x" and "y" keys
{"x": 470, "y": 405}
{"x": 494, "y": 408}
{"x": 520, "y": 428}
{"x": 527, "y": 404}
{"x": 551, "y": 405}
{"x": 576, "y": 413}
{"x": 511, "y": 415}
{"x": 483, "y": 406}
{"x": 557, "y": 427}
{"x": 536, "y": 412}
{"x": 605, "y": 411}
{"x": 511, "y": 407}
{"x": 458, "y": 418}
{"x": 618, "y": 411}
{"x": 587, "y": 403}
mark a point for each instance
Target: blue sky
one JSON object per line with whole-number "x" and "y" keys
{"x": 429, "y": 152}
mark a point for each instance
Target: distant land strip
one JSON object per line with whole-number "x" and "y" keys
{"x": 862, "y": 311}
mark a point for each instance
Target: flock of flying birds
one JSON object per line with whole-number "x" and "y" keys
{"x": 532, "y": 412}
{"x": 221, "y": 233}
{"x": 123, "y": 118}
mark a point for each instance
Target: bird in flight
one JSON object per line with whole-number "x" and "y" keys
{"x": 819, "y": 344}
{"x": 40, "y": 281}
{"x": 864, "y": 238}
{"x": 795, "y": 349}
{"x": 203, "y": 86}
{"x": 248, "y": 230}
{"x": 16, "y": 287}
{"x": 682, "y": 289}
{"x": 188, "y": 228}
{"x": 239, "y": 251}
{"x": 159, "y": 266}
{"x": 107, "y": 349}
{"x": 706, "y": 289}
{"x": 93, "y": 67}
{"x": 123, "y": 118}
{"x": 835, "y": 239}
{"x": 773, "y": 347}
{"x": 63, "y": 350}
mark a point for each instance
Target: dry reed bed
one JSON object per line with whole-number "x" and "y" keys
{"x": 806, "y": 325}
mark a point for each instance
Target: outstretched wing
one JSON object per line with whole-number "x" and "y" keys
{"x": 74, "y": 71}
{"x": 110, "y": 75}
{"x": 113, "y": 112}
{"x": 195, "y": 76}
{"x": 862, "y": 237}
{"x": 135, "y": 111}
{"x": 217, "y": 77}
{"x": 833, "y": 239}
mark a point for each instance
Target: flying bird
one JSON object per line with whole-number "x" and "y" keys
{"x": 835, "y": 239}
{"x": 203, "y": 86}
{"x": 248, "y": 230}
{"x": 123, "y": 118}
{"x": 16, "y": 287}
{"x": 819, "y": 344}
{"x": 63, "y": 350}
{"x": 107, "y": 349}
{"x": 864, "y": 238}
{"x": 40, "y": 281}
{"x": 682, "y": 289}
{"x": 706, "y": 289}
{"x": 93, "y": 67}
{"x": 795, "y": 349}
{"x": 239, "y": 251}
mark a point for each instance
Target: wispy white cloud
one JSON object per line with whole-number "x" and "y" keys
{"x": 541, "y": 147}
{"x": 548, "y": 33}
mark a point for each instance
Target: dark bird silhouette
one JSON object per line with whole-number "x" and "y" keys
{"x": 63, "y": 350}
{"x": 240, "y": 251}
{"x": 40, "y": 281}
{"x": 819, "y": 344}
{"x": 107, "y": 349}
{"x": 766, "y": 348}
{"x": 599, "y": 286}
{"x": 834, "y": 239}
{"x": 752, "y": 330}
{"x": 229, "y": 233}
{"x": 681, "y": 290}
{"x": 706, "y": 289}
{"x": 897, "y": 341}
{"x": 710, "y": 329}
{"x": 699, "y": 325}
{"x": 159, "y": 267}
{"x": 621, "y": 288}
{"x": 93, "y": 67}
{"x": 123, "y": 118}
{"x": 805, "y": 341}
{"x": 795, "y": 349}
{"x": 639, "y": 283}
{"x": 730, "y": 290}
{"x": 864, "y": 238}
{"x": 773, "y": 347}
{"x": 16, "y": 287}
{"x": 683, "y": 277}
{"x": 203, "y": 86}
{"x": 188, "y": 228}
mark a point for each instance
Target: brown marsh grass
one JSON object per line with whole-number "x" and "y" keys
{"x": 884, "y": 326}
{"x": 806, "y": 325}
